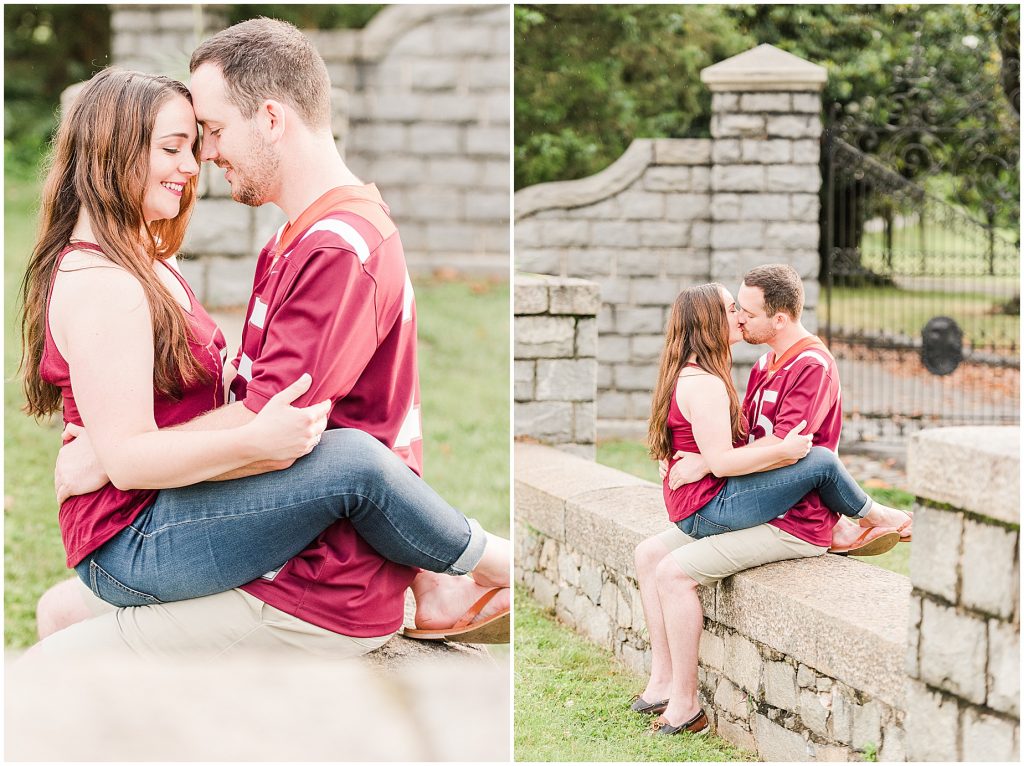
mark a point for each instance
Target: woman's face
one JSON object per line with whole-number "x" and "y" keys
{"x": 171, "y": 163}
{"x": 735, "y": 334}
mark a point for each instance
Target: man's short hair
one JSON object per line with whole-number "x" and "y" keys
{"x": 782, "y": 288}
{"x": 266, "y": 58}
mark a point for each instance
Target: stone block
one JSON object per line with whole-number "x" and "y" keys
{"x": 634, "y": 377}
{"x": 804, "y": 207}
{"x": 935, "y": 563}
{"x": 804, "y": 677}
{"x": 793, "y": 126}
{"x": 687, "y": 207}
{"x": 585, "y": 263}
{"x": 614, "y": 348}
{"x": 682, "y": 151}
{"x": 987, "y": 737}
{"x": 604, "y": 377}
{"x": 842, "y": 715}
{"x": 486, "y": 206}
{"x": 565, "y": 233}
{"x": 813, "y": 713}
{"x": 666, "y": 179}
{"x": 807, "y": 102}
{"x": 727, "y": 236}
{"x": 711, "y": 652}
{"x": 894, "y": 745}
{"x": 524, "y": 380}
{"x": 780, "y": 685}
{"x": 606, "y": 210}
{"x": 726, "y": 151}
{"x": 990, "y": 573}
{"x": 765, "y": 102}
{"x": 647, "y": 348}
{"x": 576, "y": 297}
{"x": 547, "y": 421}
{"x": 633, "y": 321}
{"x": 954, "y": 651}
{"x": 742, "y": 662}
{"x": 544, "y": 336}
{"x": 912, "y": 665}
{"x": 867, "y": 726}
{"x": 585, "y": 425}
{"x": 632, "y": 657}
{"x": 586, "y": 337}
{"x": 642, "y": 205}
{"x": 219, "y": 227}
{"x": 806, "y": 151}
{"x": 793, "y": 178}
{"x": 737, "y": 125}
{"x": 736, "y": 734}
{"x": 791, "y": 236}
{"x": 739, "y": 178}
{"x": 568, "y": 567}
{"x": 726, "y": 206}
{"x": 640, "y": 405}
{"x": 664, "y": 234}
{"x": 486, "y": 74}
{"x": 536, "y": 261}
{"x": 1004, "y": 667}
{"x": 725, "y": 102}
{"x": 773, "y": 151}
{"x": 614, "y": 234}
{"x": 544, "y": 592}
{"x": 653, "y": 292}
{"x": 765, "y": 207}
{"x": 573, "y": 380}
{"x": 731, "y": 700}
{"x": 775, "y": 743}
{"x": 530, "y": 295}
{"x": 612, "y": 405}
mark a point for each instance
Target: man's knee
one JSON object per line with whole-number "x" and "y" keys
{"x": 59, "y": 607}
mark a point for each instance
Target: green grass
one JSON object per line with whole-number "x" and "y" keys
{"x": 948, "y": 252}
{"x": 896, "y": 311}
{"x": 464, "y": 369}
{"x": 631, "y": 457}
{"x": 572, "y": 702}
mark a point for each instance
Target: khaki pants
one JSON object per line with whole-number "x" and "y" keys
{"x": 714, "y": 558}
{"x": 209, "y": 627}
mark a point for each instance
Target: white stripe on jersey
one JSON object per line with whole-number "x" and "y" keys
{"x": 813, "y": 355}
{"x": 259, "y": 314}
{"x": 245, "y": 368}
{"x": 763, "y": 361}
{"x": 410, "y": 430}
{"x": 407, "y": 298}
{"x": 277, "y": 237}
{"x": 346, "y": 232}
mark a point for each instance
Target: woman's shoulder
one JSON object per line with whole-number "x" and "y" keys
{"x": 701, "y": 385}
{"x": 89, "y": 276}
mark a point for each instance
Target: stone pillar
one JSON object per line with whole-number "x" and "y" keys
{"x": 766, "y": 128}
{"x": 160, "y": 38}
{"x": 963, "y": 655}
{"x": 556, "y": 361}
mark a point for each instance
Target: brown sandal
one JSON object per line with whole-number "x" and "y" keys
{"x": 872, "y": 541}
{"x": 493, "y": 630}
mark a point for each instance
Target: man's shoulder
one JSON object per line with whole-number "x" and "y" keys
{"x": 358, "y": 229}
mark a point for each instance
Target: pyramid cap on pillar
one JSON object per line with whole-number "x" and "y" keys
{"x": 764, "y": 68}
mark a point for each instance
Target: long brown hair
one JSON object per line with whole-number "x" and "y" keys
{"x": 697, "y": 326}
{"x": 99, "y": 163}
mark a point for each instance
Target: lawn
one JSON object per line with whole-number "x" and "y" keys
{"x": 464, "y": 369}
{"x": 572, "y": 701}
{"x": 631, "y": 457}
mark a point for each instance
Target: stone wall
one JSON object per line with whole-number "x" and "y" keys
{"x": 964, "y": 654}
{"x": 805, "y": 660}
{"x": 671, "y": 213}
{"x": 555, "y": 364}
{"x": 421, "y": 104}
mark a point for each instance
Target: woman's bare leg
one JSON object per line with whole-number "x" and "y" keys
{"x": 684, "y": 622}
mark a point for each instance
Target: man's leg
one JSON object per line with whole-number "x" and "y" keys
{"x": 204, "y": 628}
{"x": 705, "y": 562}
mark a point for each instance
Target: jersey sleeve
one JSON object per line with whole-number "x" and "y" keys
{"x": 326, "y": 325}
{"x": 806, "y": 397}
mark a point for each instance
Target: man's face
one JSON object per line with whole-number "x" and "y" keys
{"x": 756, "y": 326}
{"x": 233, "y": 142}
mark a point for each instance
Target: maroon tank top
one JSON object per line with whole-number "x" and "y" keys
{"x": 88, "y": 521}
{"x": 689, "y": 498}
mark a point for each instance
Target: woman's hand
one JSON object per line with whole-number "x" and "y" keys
{"x": 796, "y": 445}
{"x": 690, "y": 468}
{"x": 78, "y": 471}
{"x": 283, "y": 432}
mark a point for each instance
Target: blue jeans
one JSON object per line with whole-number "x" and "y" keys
{"x": 757, "y": 498}
{"x": 214, "y": 536}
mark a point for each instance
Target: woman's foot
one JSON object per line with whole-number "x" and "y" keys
{"x": 645, "y": 707}
{"x": 849, "y": 539}
{"x": 494, "y": 569}
{"x": 669, "y": 722}
{"x": 442, "y": 600}
{"x": 903, "y": 521}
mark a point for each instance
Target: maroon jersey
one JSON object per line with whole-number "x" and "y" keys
{"x": 689, "y": 498}
{"x": 806, "y": 388}
{"x": 332, "y": 297}
{"x": 88, "y": 521}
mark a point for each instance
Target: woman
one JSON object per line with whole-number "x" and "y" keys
{"x": 113, "y": 333}
{"x": 696, "y": 409}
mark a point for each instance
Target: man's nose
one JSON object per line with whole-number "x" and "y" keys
{"x": 208, "y": 152}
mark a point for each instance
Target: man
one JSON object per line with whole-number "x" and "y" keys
{"x": 331, "y": 297}
{"x": 797, "y": 380}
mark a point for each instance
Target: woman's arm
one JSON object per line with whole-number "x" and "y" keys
{"x": 100, "y": 318}
{"x": 708, "y": 413}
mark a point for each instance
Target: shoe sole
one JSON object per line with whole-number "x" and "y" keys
{"x": 876, "y": 547}
{"x": 494, "y": 631}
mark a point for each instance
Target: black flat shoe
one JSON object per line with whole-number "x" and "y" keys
{"x": 698, "y": 725}
{"x": 642, "y": 706}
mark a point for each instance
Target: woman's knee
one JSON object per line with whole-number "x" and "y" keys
{"x": 648, "y": 554}
{"x": 822, "y": 456}
{"x": 671, "y": 575}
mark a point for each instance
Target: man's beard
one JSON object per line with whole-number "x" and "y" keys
{"x": 252, "y": 186}
{"x": 757, "y": 340}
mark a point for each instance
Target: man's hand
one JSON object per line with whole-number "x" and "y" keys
{"x": 78, "y": 471}
{"x": 689, "y": 469}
